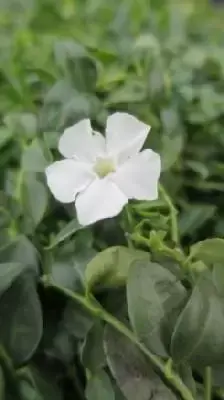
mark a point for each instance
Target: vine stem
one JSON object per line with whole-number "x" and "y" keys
{"x": 173, "y": 214}
{"x": 95, "y": 309}
{"x": 208, "y": 383}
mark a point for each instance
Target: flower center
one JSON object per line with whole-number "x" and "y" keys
{"x": 104, "y": 167}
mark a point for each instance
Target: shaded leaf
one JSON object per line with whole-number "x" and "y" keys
{"x": 132, "y": 372}
{"x": 155, "y": 297}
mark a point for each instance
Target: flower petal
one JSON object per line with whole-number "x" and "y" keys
{"x": 66, "y": 178}
{"x": 102, "y": 199}
{"x": 77, "y": 141}
{"x": 138, "y": 177}
{"x": 125, "y": 135}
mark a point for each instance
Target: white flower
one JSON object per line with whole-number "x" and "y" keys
{"x": 101, "y": 173}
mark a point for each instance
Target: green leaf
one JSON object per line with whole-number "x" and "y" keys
{"x": 133, "y": 374}
{"x": 33, "y": 158}
{"x": 99, "y": 387}
{"x": 110, "y": 267}
{"x": 77, "y": 320}
{"x": 2, "y": 384}
{"x": 155, "y": 297}
{"x": 93, "y": 357}
{"x": 21, "y": 310}
{"x": 210, "y": 251}
{"x": 20, "y": 250}
{"x": 35, "y": 200}
{"x": 194, "y": 217}
{"x": 69, "y": 230}
{"x": 5, "y": 136}
{"x": 8, "y": 273}
{"x": 198, "y": 336}
{"x": 38, "y": 385}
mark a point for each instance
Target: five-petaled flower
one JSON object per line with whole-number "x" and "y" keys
{"x": 101, "y": 173}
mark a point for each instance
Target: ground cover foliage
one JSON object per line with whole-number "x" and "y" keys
{"x": 133, "y": 307}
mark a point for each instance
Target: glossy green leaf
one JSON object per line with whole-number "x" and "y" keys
{"x": 155, "y": 298}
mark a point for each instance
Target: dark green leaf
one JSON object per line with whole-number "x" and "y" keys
{"x": 155, "y": 297}
{"x": 133, "y": 374}
{"x": 93, "y": 357}
{"x": 20, "y": 309}
{"x": 99, "y": 387}
{"x": 199, "y": 332}
{"x": 8, "y": 273}
{"x": 65, "y": 233}
{"x": 35, "y": 199}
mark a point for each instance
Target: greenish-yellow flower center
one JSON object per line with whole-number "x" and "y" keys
{"x": 104, "y": 167}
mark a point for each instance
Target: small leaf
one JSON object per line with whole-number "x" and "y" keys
{"x": 71, "y": 228}
{"x": 154, "y": 299}
{"x": 110, "y": 267}
{"x": 20, "y": 309}
{"x": 210, "y": 251}
{"x": 99, "y": 387}
{"x": 33, "y": 158}
{"x": 134, "y": 375}
{"x": 199, "y": 332}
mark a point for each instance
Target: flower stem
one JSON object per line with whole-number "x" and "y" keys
{"x": 208, "y": 383}
{"x": 173, "y": 214}
{"x": 95, "y": 309}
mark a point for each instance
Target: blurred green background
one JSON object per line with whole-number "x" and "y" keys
{"x": 162, "y": 61}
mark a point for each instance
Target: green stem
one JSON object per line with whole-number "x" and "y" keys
{"x": 127, "y": 225}
{"x": 208, "y": 383}
{"x": 98, "y": 311}
{"x": 173, "y": 214}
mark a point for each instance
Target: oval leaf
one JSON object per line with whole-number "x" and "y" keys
{"x": 154, "y": 299}
{"x": 133, "y": 373}
{"x": 20, "y": 309}
{"x": 199, "y": 332}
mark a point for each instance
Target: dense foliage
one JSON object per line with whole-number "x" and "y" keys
{"x": 133, "y": 307}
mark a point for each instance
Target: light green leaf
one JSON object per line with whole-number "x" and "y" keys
{"x": 210, "y": 251}
{"x": 99, "y": 387}
{"x": 20, "y": 250}
{"x": 21, "y": 310}
{"x": 5, "y": 136}
{"x": 110, "y": 267}
{"x": 154, "y": 299}
{"x": 134, "y": 375}
{"x": 33, "y": 158}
